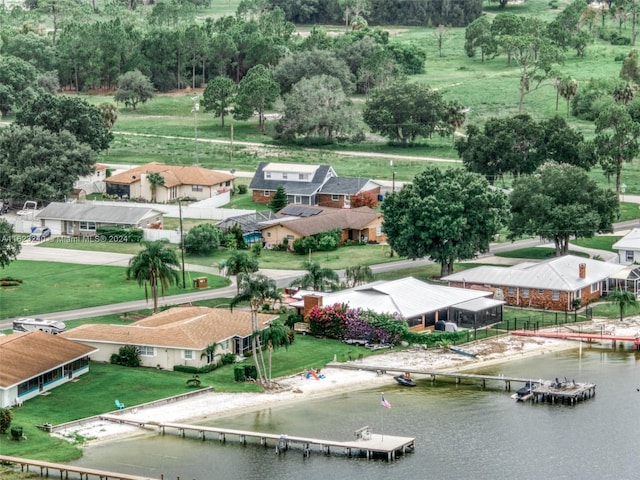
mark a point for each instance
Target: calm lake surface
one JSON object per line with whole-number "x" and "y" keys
{"x": 462, "y": 432}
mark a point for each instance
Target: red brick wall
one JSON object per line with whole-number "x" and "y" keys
{"x": 543, "y": 301}
{"x": 324, "y": 200}
{"x": 258, "y": 197}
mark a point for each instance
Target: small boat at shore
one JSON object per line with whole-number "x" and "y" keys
{"x": 462, "y": 351}
{"x": 404, "y": 381}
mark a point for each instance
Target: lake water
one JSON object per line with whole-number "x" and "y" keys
{"x": 461, "y": 431}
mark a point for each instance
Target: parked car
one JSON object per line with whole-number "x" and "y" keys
{"x": 40, "y": 233}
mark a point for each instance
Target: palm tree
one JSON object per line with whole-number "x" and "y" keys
{"x": 357, "y": 275}
{"x": 153, "y": 267}
{"x": 624, "y": 299}
{"x": 155, "y": 180}
{"x": 257, "y": 289}
{"x": 275, "y": 336}
{"x": 317, "y": 277}
{"x": 240, "y": 262}
{"x": 210, "y": 352}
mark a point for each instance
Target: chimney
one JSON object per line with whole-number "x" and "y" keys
{"x": 582, "y": 270}
{"x": 311, "y": 301}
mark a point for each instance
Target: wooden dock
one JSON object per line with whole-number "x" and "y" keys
{"x": 550, "y": 391}
{"x": 560, "y": 392}
{"x": 64, "y": 470}
{"x": 366, "y": 443}
{"x": 589, "y": 337}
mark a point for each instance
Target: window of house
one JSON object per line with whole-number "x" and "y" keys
{"x": 525, "y": 293}
{"x": 378, "y": 231}
{"x": 511, "y": 291}
{"x": 291, "y": 238}
{"x": 285, "y": 176}
{"x": 335, "y": 198}
{"x": 541, "y": 291}
{"x": 196, "y": 188}
{"x": 578, "y": 293}
{"x": 188, "y": 354}
{"x": 227, "y": 183}
{"x": 594, "y": 287}
{"x": 301, "y": 176}
{"x": 268, "y": 234}
{"x": 555, "y": 294}
{"x": 629, "y": 255}
{"x": 267, "y": 174}
{"x": 146, "y": 351}
{"x": 224, "y": 345}
{"x": 297, "y": 199}
{"x": 267, "y": 193}
{"x": 173, "y": 193}
{"x": 88, "y": 226}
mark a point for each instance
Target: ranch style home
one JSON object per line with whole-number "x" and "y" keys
{"x": 421, "y": 304}
{"x": 559, "y": 283}
{"x": 32, "y": 363}
{"x": 178, "y": 336}
{"x": 82, "y": 219}
{"x": 309, "y": 185}
{"x": 361, "y": 224}
{"x": 180, "y": 181}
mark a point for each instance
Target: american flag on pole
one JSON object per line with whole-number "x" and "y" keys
{"x": 384, "y": 403}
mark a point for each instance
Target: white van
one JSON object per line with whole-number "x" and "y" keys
{"x": 31, "y": 324}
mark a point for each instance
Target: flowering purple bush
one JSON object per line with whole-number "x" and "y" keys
{"x": 339, "y": 321}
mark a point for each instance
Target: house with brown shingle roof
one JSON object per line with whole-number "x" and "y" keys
{"x": 33, "y": 363}
{"x": 361, "y": 224}
{"x": 180, "y": 181}
{"x": 178, "y": 336}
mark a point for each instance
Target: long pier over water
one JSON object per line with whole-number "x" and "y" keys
{"x": 369, "y": 444}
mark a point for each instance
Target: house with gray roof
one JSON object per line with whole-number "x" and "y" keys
{"x": 560, "y": 283}
{"x": 421, "y": 304}
{"x": 82, "y": 219}
{"x": 309, "y": 185}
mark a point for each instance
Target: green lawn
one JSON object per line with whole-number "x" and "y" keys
{"x": 537, "y": 253}
{"x": 53, "y": 287}
{"x": 95, "y": 393}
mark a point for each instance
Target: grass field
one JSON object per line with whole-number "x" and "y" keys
{"x": 95, "y": 393}
{"x": 53, "y": 287}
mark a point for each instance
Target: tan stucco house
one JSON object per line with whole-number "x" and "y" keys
{"x": 361, "y": 224}
{"x": 178, "y": 336}
{"x": 180, "y": 181}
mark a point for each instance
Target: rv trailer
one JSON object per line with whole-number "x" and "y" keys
{"x": 32, "y": 324}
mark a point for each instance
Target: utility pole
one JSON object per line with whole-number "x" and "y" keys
{"x": 196, "y": 107}
{"x": 231, "y": 145}
{"x": 184, "y": 284}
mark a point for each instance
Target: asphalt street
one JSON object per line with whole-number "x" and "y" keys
{"x": 282, "y": 277}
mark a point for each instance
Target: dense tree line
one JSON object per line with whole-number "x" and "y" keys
{"x": 456, "y": 13}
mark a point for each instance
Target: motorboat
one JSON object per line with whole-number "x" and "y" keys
{"x": 404, "y": 380}
{"x": 523, "y": 392}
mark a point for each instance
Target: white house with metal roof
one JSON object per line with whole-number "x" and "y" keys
{"x": 560, "y": 283}
{"x": 628, "y": 247}
{"x": 421, "y": 304}
{"x": 82, "y": 219}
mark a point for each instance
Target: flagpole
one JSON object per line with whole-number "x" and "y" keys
{"x": 382, "y": 421}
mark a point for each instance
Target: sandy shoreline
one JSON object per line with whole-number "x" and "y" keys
{"x": 297, "y": 387}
